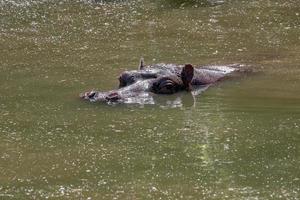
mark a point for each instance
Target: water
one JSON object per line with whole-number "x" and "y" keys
{"x": 237, "y": 140}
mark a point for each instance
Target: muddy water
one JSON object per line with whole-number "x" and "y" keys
{"x": 238, "y": 140}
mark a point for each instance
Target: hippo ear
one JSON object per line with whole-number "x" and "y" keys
{"x": 187, "y": 74}
{"x": 141, "y": 66}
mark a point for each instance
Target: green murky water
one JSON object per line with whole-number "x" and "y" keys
{"x": 240, "y": 139}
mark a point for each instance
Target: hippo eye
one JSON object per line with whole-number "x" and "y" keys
{"x": 165, "y": 85}
{"x": 167, "y": 89}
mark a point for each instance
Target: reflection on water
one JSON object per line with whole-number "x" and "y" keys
{"x": 238, "y": 140}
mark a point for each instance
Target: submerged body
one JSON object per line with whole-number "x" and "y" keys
{"x": 139, "y": 86}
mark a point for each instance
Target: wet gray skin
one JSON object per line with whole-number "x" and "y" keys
{"x": 137, "y": 90}
{"x": 138, "y": 86}
{"x": 202, "y": 74}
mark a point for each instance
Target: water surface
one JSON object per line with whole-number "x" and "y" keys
{"x": 238, "y": 140}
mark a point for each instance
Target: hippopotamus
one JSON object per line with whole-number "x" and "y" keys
{"x": 141, "y": 85}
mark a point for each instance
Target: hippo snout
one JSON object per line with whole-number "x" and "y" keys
{"x": 101, "y": 96}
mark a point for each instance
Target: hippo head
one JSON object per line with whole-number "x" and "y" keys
{"x": 139, "y": 86}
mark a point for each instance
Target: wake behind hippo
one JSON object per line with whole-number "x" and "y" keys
{"x": 142, "y": 85}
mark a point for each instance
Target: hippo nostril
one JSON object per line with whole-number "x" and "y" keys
{"x": 113, "y": 97}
